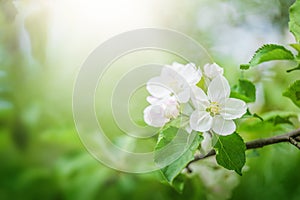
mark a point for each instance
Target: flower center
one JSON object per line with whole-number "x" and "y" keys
{"x": 213, "y": 109}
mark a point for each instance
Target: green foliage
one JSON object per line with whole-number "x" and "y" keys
{"x": 293, "y": 69}
{"x": 174, "y": 150}
{"x": 296, "y": 47}
{"x": 276, "y": 166}
{"x": 178, "y": 183}
{"x": 269, "y": 52}
{"x": 272, "y": 52}
{"x": 293, "y": 92}
{"x": 294, "y": 23}
{"x": 280, "y": 118}
{"x": 248, "y": 114}
{"x": 230, "y": 152}
{"x": 244, "y": 66}
{"x": 56, "y": 166}
{"x": 244, "y": 90}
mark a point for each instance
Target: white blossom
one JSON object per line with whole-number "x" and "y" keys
{"x": 161, "y": 110}
{"x": 212, "y": 70}
{"x": 216, "y": 111}
{"x": 175, "y": 79}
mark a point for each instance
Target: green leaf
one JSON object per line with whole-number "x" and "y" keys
{"x": 230, "y": 152}
{"x": 244, "y": 90}
{"x": 174, "y": 150}
{"x": 249, "y": 114}
{"x": 244, "y": 66}
{"x": 293, "y": 92}
{"x": 293, "y": 69}
{"x": 296, "y": 47}
{"x": 280, "y": 118}
{"x": 294, "y": 23}
{"x": 178, "y": 183}
{"x": 269, "y": 52}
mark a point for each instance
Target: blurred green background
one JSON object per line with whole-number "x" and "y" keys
{"x": 42, "y": 46}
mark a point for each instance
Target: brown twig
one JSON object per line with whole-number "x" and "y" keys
{"x": 294, "y": 142}
{"x": 292, "y": 137}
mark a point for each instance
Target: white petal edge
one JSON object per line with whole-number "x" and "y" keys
{"x": 184, "y": 95}
{"x": 191, "y": 74}
{"x": 188, "y": 128}
{"x": 188, "y": 73}
{"x": 218, "y": 89}
{"x": 153, "y": 100}
{"x": 153, "y": 118}
{"x": 233, "y": 108}
{"x": 201, "y": 121}
{"x": 212, "y": 70}
{"x": 198, "y": 94}
{"x": 223, "y": 127}
{"x": 157, "y": 88}
{"x": 206, "y": 144}
{"x": 199, "y": 98}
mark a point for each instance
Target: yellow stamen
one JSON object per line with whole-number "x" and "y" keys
{"x": 213, "y": 109}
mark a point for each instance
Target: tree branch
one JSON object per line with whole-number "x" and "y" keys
{"x": 292, "y": 137}
{"x": 294, "y": 142}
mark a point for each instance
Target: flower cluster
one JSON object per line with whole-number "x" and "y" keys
{"x": 175, "y": 92}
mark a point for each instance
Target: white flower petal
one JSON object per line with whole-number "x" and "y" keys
{"x": 218, "y": 89}
{"x": 167, "y": 100}
{"x": 199, "y": 98}
{"x": 176, "y": 79}
{"x": 188, "y": 128}
{"x": 175, "y": 66}
{"x": 188, "y": 72}
{"x": 154, "y": 116}
{"x": 191, "y": 73}
{"x": 153, "y": 100}
{"x": 175, "y": 82}
{"x": 169, "y": 72}
{"x": 233, "y": 108}
{"x": 184, "y": 95}
{"x": 201, "y": 121}
{"x": 171, "y": 110}
{"x": 157, "y": 87}
{"x": 213, "y": 70}
{"x": 223, "y": 127}
{"x": 206, "y": 144}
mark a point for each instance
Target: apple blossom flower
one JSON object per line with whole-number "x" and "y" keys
{"x": 175, "y": 79}
{"x": 212, "y": 70}
{"x": 216, "y": 111}
{"x": 161, "y": 110}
